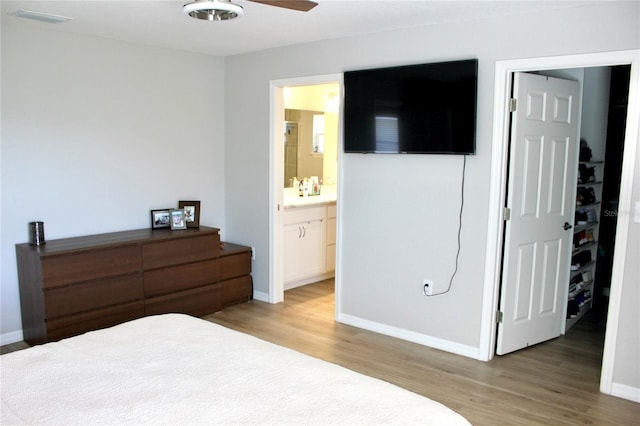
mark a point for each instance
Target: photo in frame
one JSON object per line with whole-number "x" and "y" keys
{"x": 177, "y": 219}
{"x": 160, "y": 218}
{"x": 191, "y": 212}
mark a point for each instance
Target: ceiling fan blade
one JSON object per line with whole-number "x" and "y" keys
{"x": 301, "y": 5}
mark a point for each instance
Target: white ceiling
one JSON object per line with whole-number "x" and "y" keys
{"x": 162, "y": 23}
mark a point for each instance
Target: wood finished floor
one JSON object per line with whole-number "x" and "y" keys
{"x": 555, "y": 383}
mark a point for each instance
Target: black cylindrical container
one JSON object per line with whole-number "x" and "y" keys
{"x": 36, "y": 233}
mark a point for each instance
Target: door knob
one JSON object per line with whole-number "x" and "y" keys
{"x": 566, "y": 226}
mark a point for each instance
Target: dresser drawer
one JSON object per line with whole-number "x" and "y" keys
{"x": 182, "y": 277}
{"x": 92, "y": 295}
{"x": 197, "y": 302}
{"x": 73, "y": 285}
{"x": 90, "y": 265}
{"x": 236, "y": 265}
{"x": 236, "y": 290}
{"x": 183, "y": 250}
{"x": 81, "y": 323}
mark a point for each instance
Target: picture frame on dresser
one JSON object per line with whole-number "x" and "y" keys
{"x": 160, "y": 218}
{"x": 178, "y": 220}
{"x": 191, "y": 212}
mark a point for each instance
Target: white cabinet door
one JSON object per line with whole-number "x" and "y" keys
{"x": 331, "y": 243}
{"x": 313, "y": 248}
{"x": 305, "y": 244}
{"x": 292, "y": 235}
{"x": 331, "y": 230}
{"x": 331, "y": 257}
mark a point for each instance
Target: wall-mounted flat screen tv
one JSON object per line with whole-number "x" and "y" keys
{"x": 412, "y": 109}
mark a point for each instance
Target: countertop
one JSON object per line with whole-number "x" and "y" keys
{"x": 293, "y": 200}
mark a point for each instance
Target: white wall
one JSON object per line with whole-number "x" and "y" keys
{"x": 595, "y": 109}
{"x": 96, "y": 133}
{"x": 399, "y": 213}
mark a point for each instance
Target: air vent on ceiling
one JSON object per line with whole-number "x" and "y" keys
{"x": 41, "y": 16}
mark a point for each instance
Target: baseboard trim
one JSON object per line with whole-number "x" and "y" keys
{"x": 411, "y": 336}
{"x": 625, "y": 391}
{"x": 12, "y": 337}
{"x": 262, "y": 297}
{"x": 308, "y": 280}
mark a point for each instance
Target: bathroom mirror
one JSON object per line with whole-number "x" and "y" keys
{"x": 304, "y": 144}
{"x": 311, "y": 133}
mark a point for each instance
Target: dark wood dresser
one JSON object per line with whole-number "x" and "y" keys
{"x": 74, "y": 285}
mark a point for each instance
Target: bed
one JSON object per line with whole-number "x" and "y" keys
{"x": 176, "y": 369}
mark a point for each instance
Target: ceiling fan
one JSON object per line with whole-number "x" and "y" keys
{"x": 222, "y": 10}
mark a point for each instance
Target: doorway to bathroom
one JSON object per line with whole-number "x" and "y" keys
{"x": 304, "y": 220}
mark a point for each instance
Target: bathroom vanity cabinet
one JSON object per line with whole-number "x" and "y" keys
{"x": 309, "y": 244}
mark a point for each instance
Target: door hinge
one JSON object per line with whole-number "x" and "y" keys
{"x": 507, "y": 213}
{"x": 513, "y": 104}
{"x": 499, "y": 317}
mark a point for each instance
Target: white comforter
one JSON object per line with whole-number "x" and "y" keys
{"x": 175, "y": 369}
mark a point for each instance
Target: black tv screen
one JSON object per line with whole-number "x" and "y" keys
{"x": 412, "y": 109}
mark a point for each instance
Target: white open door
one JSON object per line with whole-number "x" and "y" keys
{"x": 541, "y": 202}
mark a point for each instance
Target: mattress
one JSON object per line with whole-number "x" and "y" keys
{"x": 176, "y": 369}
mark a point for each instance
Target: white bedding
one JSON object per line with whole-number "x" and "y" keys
{"x": 175, "y": 369}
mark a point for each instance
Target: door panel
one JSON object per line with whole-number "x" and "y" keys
{"x": 557, "y": 193}
{"x": 541, "y": 195}
{"x": 531, "y": 177}
{"x": 553, "y": 269}
{"x": 524, "y": 285}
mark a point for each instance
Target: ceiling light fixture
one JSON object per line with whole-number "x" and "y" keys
{"x": 213, "y": 10}
{"x": 41, "y": 16}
